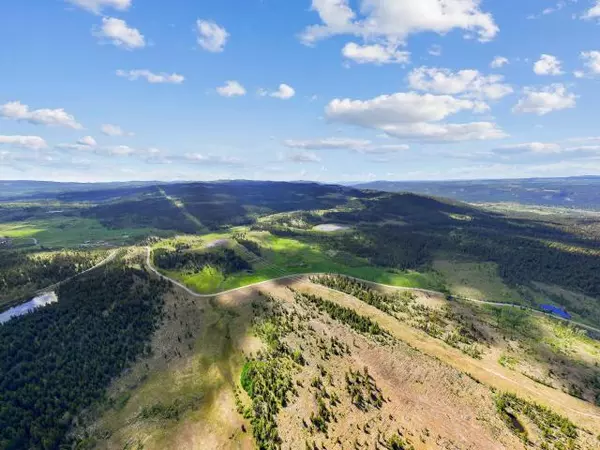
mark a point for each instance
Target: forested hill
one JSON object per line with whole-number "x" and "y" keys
{"x": 575, "y": 192}
{"x": 194, "y": 207}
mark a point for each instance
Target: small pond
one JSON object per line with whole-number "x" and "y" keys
{"x": 330, "y": 227}
{"x": 217, "y": 243}
{"x": 41, "y": 300}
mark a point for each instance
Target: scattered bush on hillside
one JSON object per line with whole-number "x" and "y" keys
{"x": 267, "y": 377}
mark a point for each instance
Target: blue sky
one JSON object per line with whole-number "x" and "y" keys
{"x": 326, "y": 90}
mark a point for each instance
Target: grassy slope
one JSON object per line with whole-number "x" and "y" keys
{"x": 476, "y": 280}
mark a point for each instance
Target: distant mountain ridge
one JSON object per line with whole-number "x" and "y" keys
{"x": 34, "y": 189}
{"x": 571, "y": 192}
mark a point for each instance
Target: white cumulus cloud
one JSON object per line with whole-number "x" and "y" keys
{"x": 529, "y": 147}
{"x": 85, "y": 143}
{"x": 402, "y": 107}
{"x": 211, "y": 37}
{"x": 467, "y": 82}
{"x": 231, "y": 88}
{"x": 356, "y": 145}
{"x": 395, "y": 20}
{"x": 28, "y": 142}
{"x": 542, "y": 101}
{"x": 593, "y": 12}
{"x": 591, "y": 61}
{"x": 303, "y": 157}
{"x": 285, "y": 92}
{"x": 498, "y": 62}
{"x": 57, "y": 117}
{"x": 114, "y": 130}
{"x": 87, "y": 140}
{"x": 584, "y": 149}
{"x": 119, "y": 150}
{"x": 375, "y": 54}
{"x": 213, "y": 160}
{"x": 120, "y": 34}
{"x": 96, "y": 6}
{"x": 414, "y": 116}
{"x": 150, "y": 77}
{"x": 548, "y": 65}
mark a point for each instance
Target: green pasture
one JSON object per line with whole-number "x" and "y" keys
{"x": 63, "y": 232}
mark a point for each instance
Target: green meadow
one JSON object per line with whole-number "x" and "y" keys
{"x": 65, "y": 232}
{"x": 282, "y": 256}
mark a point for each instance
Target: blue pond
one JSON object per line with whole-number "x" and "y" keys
{"x": 26, "y": 308}
{"x": 556, "y": 311}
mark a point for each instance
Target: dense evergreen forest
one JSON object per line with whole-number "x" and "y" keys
{"x": 215, "y": 205}
{"x": 239, "y": 203}
{"x": 60, "y": 359}
{"x": 21, "y": 274}
{"x": 150, "y": 211}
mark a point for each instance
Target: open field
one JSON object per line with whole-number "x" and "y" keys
{"x": 69, "y": 232}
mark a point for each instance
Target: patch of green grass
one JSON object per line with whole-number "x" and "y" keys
{"x": 298, "y": 256}
{"x": 209, "y": 280}
{"x": 564, "y": 337}
{"x": 246, "y": 379}
{"x": 508, "y": 361}
{"x": 512, "y": 321}
{"x": 154, "y": 407}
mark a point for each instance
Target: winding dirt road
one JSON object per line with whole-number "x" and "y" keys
{"x": 400, "y": 288}
{"x": 106, "y": 260}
